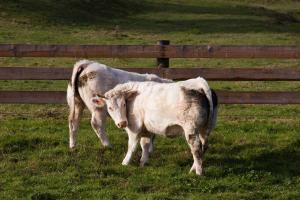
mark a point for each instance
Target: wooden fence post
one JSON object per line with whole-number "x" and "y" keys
{"x": 163, "y": 62}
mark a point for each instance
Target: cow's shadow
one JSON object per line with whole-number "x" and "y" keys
{"x": 283, "y": 162}
{"x": 235, "y": 159}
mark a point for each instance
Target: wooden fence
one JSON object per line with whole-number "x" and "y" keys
{"x": 162, "y": 52}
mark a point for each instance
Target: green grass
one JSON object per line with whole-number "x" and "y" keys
{"x": 251, "y": 156}
{"x": 254, "y": 152}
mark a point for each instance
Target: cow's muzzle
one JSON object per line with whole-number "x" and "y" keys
{"x": 122, "y": 124}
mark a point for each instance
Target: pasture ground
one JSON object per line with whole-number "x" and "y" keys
{"x": 254, "y": 152}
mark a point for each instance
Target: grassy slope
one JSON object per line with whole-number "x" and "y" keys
{"x": 182, "y": 22}
{"x": 254, "y": 153}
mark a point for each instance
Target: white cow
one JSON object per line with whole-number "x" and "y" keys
{"x": 88, "y": 78}
{"x": 168, "y": 109}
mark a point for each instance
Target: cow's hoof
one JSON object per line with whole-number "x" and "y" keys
{"x": 72, "y": 148}
{"x": 193, "y": 168}
{"x": 72, "y": 145}
{"x": 198, "y": 170}
{"x": 108, "y": 146}
{"x": 125, "y": 163}
{"x": 199, "y": 173}
{"x": 142, "y": 164}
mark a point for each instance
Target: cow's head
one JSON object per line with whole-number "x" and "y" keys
{"x": 116, "y": 106}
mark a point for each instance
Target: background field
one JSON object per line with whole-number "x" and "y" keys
{"x": 254, "y": 152}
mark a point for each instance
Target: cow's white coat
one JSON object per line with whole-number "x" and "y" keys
{"x": 168, "y": 109}
{"x": 99, "y": 78}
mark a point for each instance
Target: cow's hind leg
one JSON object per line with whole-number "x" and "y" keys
{"x": 74, "y": 119}
{"x": 145, "y": 143}
{"x": 97, "y": 122}
{"x": 132, "y": 144}
{"x": 151, "y": 147}
{"x": 204, "y": 140}
{"x": 194, "y": 142}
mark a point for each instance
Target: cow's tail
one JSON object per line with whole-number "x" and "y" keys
{"x": 215, "y": 111}
{"x": 208, "y": 93}
{"x": 72, "y": 92}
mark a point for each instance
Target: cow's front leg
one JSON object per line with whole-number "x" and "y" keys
{"x": 97, "y": 122}
{"x": 132, "y": 144}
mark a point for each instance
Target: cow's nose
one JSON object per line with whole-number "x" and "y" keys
{"x": 122, "y": 124}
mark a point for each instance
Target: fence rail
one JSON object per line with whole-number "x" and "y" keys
{"x": 225, "y": 97}
{"x": 149, "y": 51}
{"x": 225, "y": 74}
{"x": 162, "y": 52}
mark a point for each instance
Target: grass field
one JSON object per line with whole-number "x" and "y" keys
{"x": 254, "y": 152}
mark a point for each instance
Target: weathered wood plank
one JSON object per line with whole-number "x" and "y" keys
{"x": 235, "y": 74}
{"x": 32, "y": 97}
{"x": 265, "y": 97}
{"x": 54, "y": 73}
{"x": 149, "y": 51}
{"x": 84, "y": 51}
{"x": 34, "y": 73}
{"x": 225, "y": 74}
{"x": 225, "y": 97}
{"x": 231, "y": 51}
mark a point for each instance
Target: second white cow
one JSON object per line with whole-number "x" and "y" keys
{"x": 88, "y": 78}
{"x": 186, "y": 108}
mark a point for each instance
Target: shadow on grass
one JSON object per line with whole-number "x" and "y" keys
{"x": 282, "y": 162}
{"x": 228, "y": 18}
{"x": 19, "y": 145}
{"x": 43, "y": 196}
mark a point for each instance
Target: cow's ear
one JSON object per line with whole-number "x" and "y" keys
{"x": 98, "y": 101}
{"x": 131, "y": 94}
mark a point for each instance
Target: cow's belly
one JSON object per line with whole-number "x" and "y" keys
{"x": 160, "y": 117}
{"x": 163, "y": 127}
{"x": 174, "y": 131}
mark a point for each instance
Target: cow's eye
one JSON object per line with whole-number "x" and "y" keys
{"x": 124, "y": 104}
{"x": 110, "y": 108}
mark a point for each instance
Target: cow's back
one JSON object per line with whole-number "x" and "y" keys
{"x": 98, "y": 78}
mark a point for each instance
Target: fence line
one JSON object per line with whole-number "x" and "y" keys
{"x": 225, "y": 74}
{"x": 225, "y": 97}
{"x": 149, "y": 51}
{"x": 162, "y": 52}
